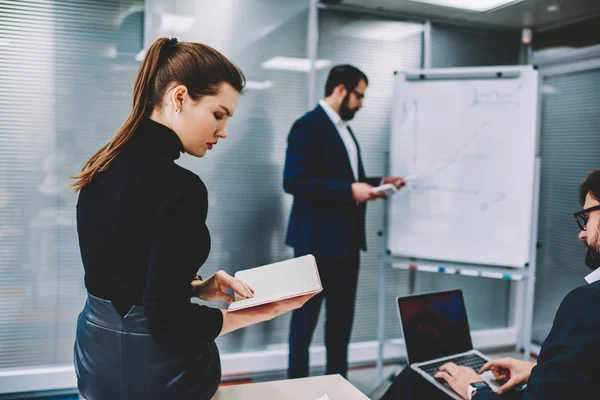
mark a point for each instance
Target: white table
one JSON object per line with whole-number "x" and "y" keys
{"x": 336, "y": 388}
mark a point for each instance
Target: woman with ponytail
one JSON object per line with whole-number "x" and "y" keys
{"x": 143, "y": 237}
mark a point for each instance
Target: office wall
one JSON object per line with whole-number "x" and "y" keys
{"x": 576, "y": 35}
{"x": 454, "y": 46}
{"x": 570, "y": 146}
{"x": 569, "y": 151}
{"x": 65, "y": 87}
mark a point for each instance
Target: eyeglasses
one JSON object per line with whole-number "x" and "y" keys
{"x": 358, "y": 94}
{"x": 582, "y": 218}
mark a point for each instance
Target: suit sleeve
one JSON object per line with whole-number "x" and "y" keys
{"x": 568, "y": 361}
{"x": 178, "y": 246}
{"x": 298, "y": 176}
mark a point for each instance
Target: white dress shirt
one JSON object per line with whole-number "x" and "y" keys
{"x": 594, "y": 276}
{"x": 344, "y": 133}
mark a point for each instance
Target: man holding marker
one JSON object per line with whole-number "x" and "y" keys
{"x": 325, "y": 174}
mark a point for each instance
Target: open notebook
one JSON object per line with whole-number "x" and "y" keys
{"x": 279, "y": 281}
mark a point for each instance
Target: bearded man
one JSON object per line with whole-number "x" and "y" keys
{"x": 325, "y": 174}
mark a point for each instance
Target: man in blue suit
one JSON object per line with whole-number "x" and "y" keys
{"x": 568, "y": 366}
{"x": 325, "y": 174}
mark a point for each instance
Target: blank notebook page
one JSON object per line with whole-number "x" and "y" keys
{"x": 281, "y": 280}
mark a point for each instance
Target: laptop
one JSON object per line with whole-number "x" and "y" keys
{"x": 436, "y": 331}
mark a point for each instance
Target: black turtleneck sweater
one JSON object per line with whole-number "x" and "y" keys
{"x": 143, "y": 236}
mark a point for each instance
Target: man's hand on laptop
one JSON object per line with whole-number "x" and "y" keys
{"x": 514, "y": 372}
{"x": 459, "y": 378}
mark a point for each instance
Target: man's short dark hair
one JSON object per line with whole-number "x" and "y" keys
{"x": 590, "y": 185}
{"x": 347, "y": 75}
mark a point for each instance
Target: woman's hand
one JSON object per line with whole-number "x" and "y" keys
{"x": 269, "y": 311}
{"x": 278, "y": 308}
{"x": 233, "y": 320}
{"x": 214, "y": 288}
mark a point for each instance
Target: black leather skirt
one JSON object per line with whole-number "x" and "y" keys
{"x": 116, "y": 358}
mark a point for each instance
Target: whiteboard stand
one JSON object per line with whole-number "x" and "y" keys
{"x": 527, "y": 324}
{"x": 524, "y": 277}
{"x": 383, "y": 265}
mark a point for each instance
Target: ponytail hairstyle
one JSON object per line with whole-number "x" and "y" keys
{"x": 200, "y": 68}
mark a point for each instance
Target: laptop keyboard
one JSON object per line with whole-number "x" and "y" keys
{"x": 470, "y": 360}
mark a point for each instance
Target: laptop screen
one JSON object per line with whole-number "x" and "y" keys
{"x": 435, "y": 325}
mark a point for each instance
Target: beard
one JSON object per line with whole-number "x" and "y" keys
{"x": 347, "y": 113}
{"x": 592, "y": 256}
{"x": 592, "y": 253}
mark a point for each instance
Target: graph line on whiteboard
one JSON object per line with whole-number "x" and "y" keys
{"x": 421, "y": 182}
{"x": 488, "y": 198}
{"x": 499, "y": 196}
{"x": 405, "y": 110}
{"x": 453, "y": 158}
{"x": 496, "y": 97}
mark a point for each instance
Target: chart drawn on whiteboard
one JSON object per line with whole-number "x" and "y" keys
{"x": 448, "y": 161}
{"x": 486, "y": 199}
{"x": 412, "y": 108}
{"x": 496, "y": 96}
{"x": 407, "y": 108}
{"x": 426, "y": 181}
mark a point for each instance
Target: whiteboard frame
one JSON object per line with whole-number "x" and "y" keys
{"x": 477, "y": 73}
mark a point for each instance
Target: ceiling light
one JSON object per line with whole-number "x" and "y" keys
{"x": 380, "y": 30}
{"x": 256, "y": 85}
{"x": 175, "y": 23}
{"x": 553, "y": 8}
{"x": 140, "y": 55}
{"x": 294, "y": 64}
{"x": 110, "y": 51}
{"x": 471, "y": 5}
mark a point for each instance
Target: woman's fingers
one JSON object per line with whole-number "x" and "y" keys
{"x": 242, "y": 289}
{"x": 246, "y": 287}
{"x": 226, "y": 281}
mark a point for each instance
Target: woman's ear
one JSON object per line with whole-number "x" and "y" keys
{"x": 178, "y": 95}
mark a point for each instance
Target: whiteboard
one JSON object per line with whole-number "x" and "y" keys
{"x": 466, "y": 139}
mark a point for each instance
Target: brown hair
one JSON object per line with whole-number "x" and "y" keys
{"x": 200, "y": 68}
{"x": 590, "y": 185}
{"x": 347, "y": 75}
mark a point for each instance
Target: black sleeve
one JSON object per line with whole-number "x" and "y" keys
{"x": 487, "y": 395}
{"x": 180, "y": 244}
{"x": 568, "y": 361}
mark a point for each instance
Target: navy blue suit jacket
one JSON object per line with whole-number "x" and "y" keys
{"x": 569, "y": 363}
{"x": 325, "y": 219}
